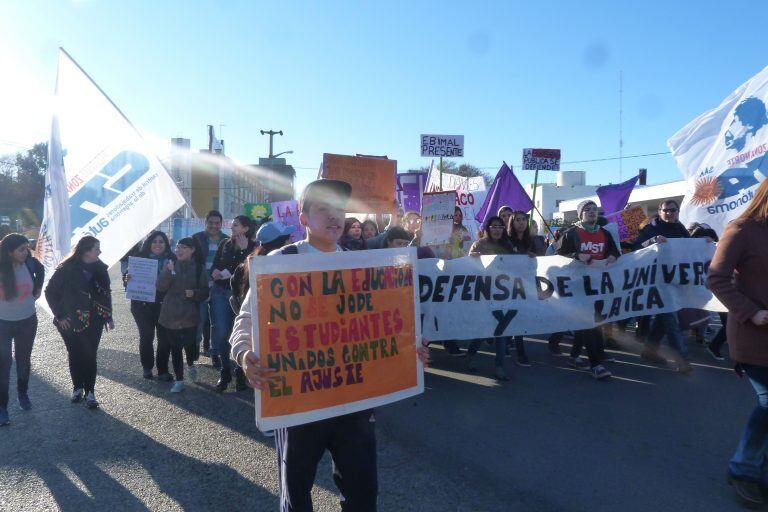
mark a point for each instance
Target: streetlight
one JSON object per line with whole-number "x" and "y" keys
{"x": 289, "y": 152}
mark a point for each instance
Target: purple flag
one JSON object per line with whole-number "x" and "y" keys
{"x": 613, "y": 198}
{"x": 505, "y": 191}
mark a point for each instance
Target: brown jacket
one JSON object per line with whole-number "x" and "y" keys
{"x": 738, "y": 276}
{"x": 177, "y": 311}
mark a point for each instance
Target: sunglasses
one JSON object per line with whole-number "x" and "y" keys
{"x": 669, "y": 210}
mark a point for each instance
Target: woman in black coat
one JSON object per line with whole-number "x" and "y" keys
{"x": 80, "y": 299}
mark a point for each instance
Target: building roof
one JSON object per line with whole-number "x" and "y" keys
{"x": 640, "y": 193}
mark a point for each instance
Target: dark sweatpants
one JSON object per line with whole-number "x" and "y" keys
{"x": 19, "y": 334}
{"x": 181, "y": 342}
{"x": 82, "y": 347}
{"x": 146, "y": 314}
{"x": 351, "y": 439}
{"x": 592, "y": 339}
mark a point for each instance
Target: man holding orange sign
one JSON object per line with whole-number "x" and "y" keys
{"x": 325, "y": 340}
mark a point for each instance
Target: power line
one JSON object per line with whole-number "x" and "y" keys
{"x": 519, "y": 164}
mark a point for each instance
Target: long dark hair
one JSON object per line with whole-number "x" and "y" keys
{"x": 372, "y": 223}
{"x": 9, "y": 244}
{"x": 83, "y": 245}
{"x": 525, "y": 241}
{"x": 246, "y": 221}
{"x": 261, "y": 250}
{"x": 504, "y": 240}
{"x": 197, "y": 255}
{"x": 348, "y": 222}
{"x": 146, "y": 247}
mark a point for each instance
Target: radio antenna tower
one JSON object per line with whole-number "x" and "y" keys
{"x": 621, "y": 121}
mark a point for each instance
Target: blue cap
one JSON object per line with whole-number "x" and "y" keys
{"x": 271, "y": 231}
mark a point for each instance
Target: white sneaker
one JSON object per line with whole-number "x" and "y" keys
{"x": 177, "y": 387}
{"x": 192, "y": 372}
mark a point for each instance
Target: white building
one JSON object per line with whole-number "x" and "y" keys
{"x": 647, "y": 196}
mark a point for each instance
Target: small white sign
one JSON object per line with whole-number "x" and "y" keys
{"x": 539, "y": 159}
{"x": 143, "y": 283}
{"x": 437, "y": 217}
{"x": 447, "y": 146}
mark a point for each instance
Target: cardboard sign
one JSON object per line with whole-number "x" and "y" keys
{"x": 541, "y": 159}
{"x": 143, "y": 283}
{"x": 628, "y": 222}
{"x": 447, "y": 146}
{"x": 437, "y": 217}
{"x": 258, "y": 211}
{"x": 287, "y": 212}
{"x": 340, "y": 330}
{"x": 372, "y": 180}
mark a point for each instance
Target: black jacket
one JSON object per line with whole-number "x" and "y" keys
{"x": 571, "y": 243}
{"x": 228, "y": 257}
{"x": 37, "y": 271}
{"x": 658, "y": 227}
{"x": 71, "y": 295}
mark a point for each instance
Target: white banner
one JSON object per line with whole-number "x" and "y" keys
{"x": 118, "y": 189}
{"x": 470, "y": 298}
{"x": 721, "y": 154}
{"x": 450, "y": 146}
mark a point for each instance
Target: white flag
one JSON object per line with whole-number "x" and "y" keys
{"x": 721, "y": 153}
{"x": 118, "y": 190}
{"x": 53, "y": 242}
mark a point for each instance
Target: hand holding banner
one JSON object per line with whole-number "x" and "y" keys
{"x": 340, "y": 331}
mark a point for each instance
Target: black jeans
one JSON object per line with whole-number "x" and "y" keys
{"x": 82, "y": 348}
{"x": 182, "y": 342}
{"x": 592, "y": 339}
{"x": 719, "y": 340}
{"x": 351, "y": 439}
{"x": 146, "y": 314}
{"x": 21, "y": 335}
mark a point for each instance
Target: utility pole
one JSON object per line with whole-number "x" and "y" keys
{"x": 621, "y": 122}
{"x": 271, "y": 134}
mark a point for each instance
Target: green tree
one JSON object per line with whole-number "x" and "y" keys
{"x": 22, "y": 177}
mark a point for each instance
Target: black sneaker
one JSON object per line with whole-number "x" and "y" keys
{"x": 165, "y": 377}
{"x": 748, "y": 493}
{"x": 715, "y": 353}
{"x": 77, "y": 395}
{"x": 216, "y": 362}
{"x": 90, "y": 401}
{"x": 523, "y": 361}
{"x": 222, "y": 385}
{"x": 24, "y": 402}
{"x": 148, "y": 374}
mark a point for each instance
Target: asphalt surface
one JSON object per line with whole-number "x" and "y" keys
{"x": 551, "y": 439}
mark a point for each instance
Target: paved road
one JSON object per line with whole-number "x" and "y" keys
{"x": 551, "y": 439}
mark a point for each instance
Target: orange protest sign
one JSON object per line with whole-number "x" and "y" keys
{"x": 372, "y": 180}
{"x": 340, "y": 331}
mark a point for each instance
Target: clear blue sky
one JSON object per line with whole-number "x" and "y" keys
{"x": 370, "y": 77}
